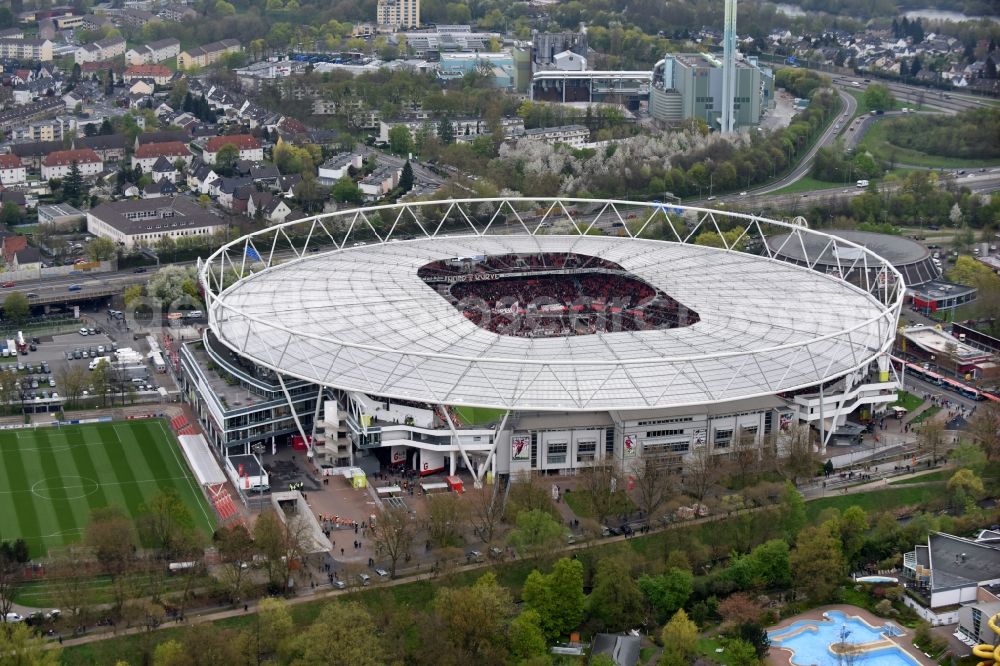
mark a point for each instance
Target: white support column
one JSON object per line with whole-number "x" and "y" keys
{"x": 822, "y": 423}
{"x": 295, "y": 416}
{"x": 493, "y": 449}
{"x": 319, "y": 404}
{"x": 458, "y": 442}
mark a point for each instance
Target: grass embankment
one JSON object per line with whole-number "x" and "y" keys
{"x": 876, "y": 142}
{"x": 924, "y": 415}
{"x": 907, "y": 401}
{"x": 810, "y": 184}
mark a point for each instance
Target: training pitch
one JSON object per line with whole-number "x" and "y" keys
{"x": 52, "y": 477}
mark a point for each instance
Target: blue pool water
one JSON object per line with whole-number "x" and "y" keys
{"x": 811, "y": 647}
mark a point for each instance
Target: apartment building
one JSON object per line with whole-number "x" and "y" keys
{"x": 59, "y": 163}
{"x": 154, "y": 52}
{"x": 398, "y": 14}
{"x": 100, "y": 51}
{"x": 26, "y": 49}
{"x": 203, "y": 56}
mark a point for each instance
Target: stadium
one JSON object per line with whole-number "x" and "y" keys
{"x": 498, "y": 336}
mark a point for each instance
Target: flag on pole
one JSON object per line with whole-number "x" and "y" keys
{"x": 252, "y": 254}
{"x": 274, "y": 447}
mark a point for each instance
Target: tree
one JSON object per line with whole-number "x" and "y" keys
{"x": 701, "y": 471}
{"x": 21, "y": 646}
{"x": 446, "y": 515}
{"x": 163, "y": 521}
{"x": 343, "y": 635}
{"x": 474, "y": 620}
{"x": 274, "y": 625}
{"x": 616, "y": 600}
{"x": 346, "y": 190}
{"x": 877, "y": 97}
{"x": 111, "y": 536}
{"x": 393, "y": 535}
{"x": 12, "y": 560}
{"x": 72, "y": 380}
{"x": 446, "y": 131}
{"x": 485, "y": 512}
{"x": 226, "y": 158}
{"x": 817, "y": 562}
{"x": 965, "y": 488}
{"x": 741, "y": 653}
{"x": 601, "y": 487}
{"x": 854, "y": 526}
{"x": 236, "y": 550}
{"x": 10, "y": 213}
{"x": 170, "y": 653}
{"x": 667, "y": 592}
{"x": 406, "y": 178}
{"x": 101, "y": 249}
{"x": 132, "y": 295}
{"x": 800, "y": 460}
{"x": 536, "y": 533}
{"x": 557, "y": 597}
{"x": 985, "y": 428}
{"x": 793, "y": 512}
{"x": 968, "y": 455}
{"x": 400, "y": 140}
{"x": 653, "y": 487}
{"x": 766, "y": 566}
{"x": 680, "y": 636}
{"x": 72, "y": 186}
{"x": 284, "y": 543}
{"x": 527, "y": 640}
{"x": 15, "y": 307}
{"x": 739, "y": 608}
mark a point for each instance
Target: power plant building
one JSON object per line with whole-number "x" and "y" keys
{"x": 690, "y": 86}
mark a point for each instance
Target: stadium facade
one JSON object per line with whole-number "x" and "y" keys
{"x": 502, "y": 336}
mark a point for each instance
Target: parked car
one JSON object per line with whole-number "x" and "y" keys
{"x": 83, "y": 331}
{"x": 75, "y": 287}
{"x": 8, "y": 284}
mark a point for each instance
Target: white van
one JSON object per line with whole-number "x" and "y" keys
{"x": 862, "y": 183}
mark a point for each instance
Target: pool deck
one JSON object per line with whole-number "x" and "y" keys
{"x": 781, "y": 657}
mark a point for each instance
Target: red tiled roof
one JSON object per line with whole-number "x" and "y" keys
{"x": 8, "y": 161}
{"x": 67, "y": 157}
{"x": 165, "y": 149}
{"x": 241, "y": 141}
{"x": 152, "y": 71}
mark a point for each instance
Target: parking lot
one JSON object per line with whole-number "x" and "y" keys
{"x": 41, "y": 370}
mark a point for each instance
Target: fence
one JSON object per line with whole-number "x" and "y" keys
{"x": 57, "y": 271}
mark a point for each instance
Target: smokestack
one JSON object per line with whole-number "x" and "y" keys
{"x": 728, "y": 67}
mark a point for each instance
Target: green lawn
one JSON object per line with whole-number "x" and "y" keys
{"x": 876, "y": 500}
{"x": 907, "y": 401}
{"x": 926, "y": 414}
{"x": 875, "y": 141}
{"x": 478, "y": 415}
{"x": 939, "y": 475}
{"x": 862, "y": 107}
{"x": 44, "y": 594}
{"x": 54, "y": 476}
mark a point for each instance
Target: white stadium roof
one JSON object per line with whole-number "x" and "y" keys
{"x": 359, "y": 318}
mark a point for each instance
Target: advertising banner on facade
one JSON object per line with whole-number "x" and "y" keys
{"x": 520, "y": 448}
{"x": 631, "y": 448}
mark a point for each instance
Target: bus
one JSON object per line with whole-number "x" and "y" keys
{"x": 930, "y": 377}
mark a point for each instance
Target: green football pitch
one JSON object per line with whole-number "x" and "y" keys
{"x": 52, "y": 477}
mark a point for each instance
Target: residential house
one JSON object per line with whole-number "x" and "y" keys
{"x": 28, "y": 259}
{"x": 338, "y": 166}
{"x": 154, "y": 52}
{"x": 111, "y": 147}
{"x": 11, "y": 245}
{"x": 201, "y": 178}
{"x": 59, "y": 163}
{"x": 26, "y": 49}
{"x": 225, "y": 189}
{"x": 44, "y": 108}
{"x": 202, "y": 56}
{"x": 249, "y": 147}
{"x": 146, "y": 155}
{"x": 623, "y": 650}
{"x": 164, "y": 170}
{"x": 54, "y": 129}
{"x": 31, "y": 154}
{"x": 156, "y": 189}
{"x": 16, "y": 198}
{"x": 951, "y": 572}
{"x": 72, "y": 99}
{"x": 161, "y": 137}
{"x": 267, "y": 206}
{"x": 100, "y": 51}
{"x": 12, "y": 171}
{"x": 177, "y": 13}
{"x": 142, "y": 87}
{"x": 26, "y": 93}
{"x": 144, "y": 222}
{"x": 265, "y": 175}
{"x": 158, "y": 74}
{"x": 572, "y": 135}
{"x": 287, "y": 184}
{"x": 379, "y": 182}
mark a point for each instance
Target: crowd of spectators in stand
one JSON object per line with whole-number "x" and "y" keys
{"x": 506, "y": 263}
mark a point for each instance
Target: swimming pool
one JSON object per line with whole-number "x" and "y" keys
{"x": 877, "y": 579}
{"x": 810, "y": 642}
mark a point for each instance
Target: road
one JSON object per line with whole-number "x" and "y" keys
{"x": 828, "y": 137}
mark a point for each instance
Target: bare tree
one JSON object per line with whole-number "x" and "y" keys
{"x": 112, "y": 538}
{"x": 744, "y": 459}
{"x": 10, "y": 579}
{"x": 930, "y": 438}
{"x": 393, "y": 535}
{"x": 701, "y": 471}
{"x": 70, "y": 576}
{"x": 653, "y": 487}
{"x": 985, "y": 429}
{"x": 601, "y": 484}
{"x": 485, "y": 511}
{"x": 73, "y": 379}
{"x": 283, "y": 543}
{"x": 236, "y": 549}
{"x": 800, "y": 459}
{"x": 445, "y": 518}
